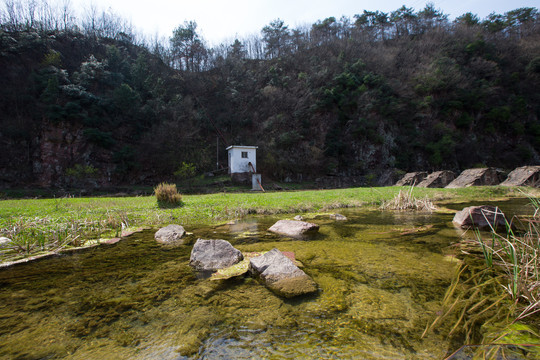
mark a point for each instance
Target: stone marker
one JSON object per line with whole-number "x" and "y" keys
{"x": 170, "y": 235}
{"x": 524, "y": 176}
{"x": 482, "y": 217}
{"x": 213, "y": 255}
{"x": 437, "y": 179}
{"x": 280, "y": 275}
{"x": 294, "y": 228}
{"x": 412, "y": 178}
{"x": 476, "y": 177}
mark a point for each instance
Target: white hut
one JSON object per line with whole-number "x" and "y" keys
{"x": 243, "y": 164}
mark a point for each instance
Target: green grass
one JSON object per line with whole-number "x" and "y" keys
{"x": 45, "y": 224}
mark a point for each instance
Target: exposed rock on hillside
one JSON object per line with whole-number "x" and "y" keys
{"x": 524, "y": 176}
{"x": 412, "y": 178}
{"x": 476, "y": 177}
{"x": 438, "y": 179}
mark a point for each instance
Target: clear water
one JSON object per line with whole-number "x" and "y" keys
{"x": 381, "y": 277}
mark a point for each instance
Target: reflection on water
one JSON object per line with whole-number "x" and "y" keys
{"x": 381, "y": 277}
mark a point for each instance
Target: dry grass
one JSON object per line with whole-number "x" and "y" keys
{"x": 167, "y": 195}
{"x": 405, "y": 200}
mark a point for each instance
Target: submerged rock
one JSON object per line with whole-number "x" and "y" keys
{"x": 483, "y": 216}
{"x": 338, "y": 217}
{"x": 210, "y": 255}
{"x": 281, "y": 275}
{"x": 294, "y": 228}
{"x": 170, "y": 235}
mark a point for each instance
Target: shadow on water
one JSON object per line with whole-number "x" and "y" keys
{"x": 381, "y": 276}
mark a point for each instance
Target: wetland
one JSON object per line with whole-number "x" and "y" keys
{"x": 381, "y": 277}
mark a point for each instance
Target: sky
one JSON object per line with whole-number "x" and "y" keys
{"x": 221, "y": 21}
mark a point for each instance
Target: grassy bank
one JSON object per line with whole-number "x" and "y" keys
{"x": 37, "y": 225}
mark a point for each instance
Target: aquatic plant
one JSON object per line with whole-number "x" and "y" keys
{"x": 167, "y": 195}
{"x": 518, "y": 256}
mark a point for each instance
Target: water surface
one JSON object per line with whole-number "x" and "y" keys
{"x": 381, "y": 277}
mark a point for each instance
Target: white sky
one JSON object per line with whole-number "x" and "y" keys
{"x": 223, "y": 20}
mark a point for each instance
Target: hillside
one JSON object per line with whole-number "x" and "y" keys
{"x": 367, "y": 98}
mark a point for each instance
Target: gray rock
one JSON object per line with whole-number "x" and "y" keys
{"x": 294, "y": 228}
{"x": 412, "y": 178}
{"x": 338, "y": 217}
{"x": 280, "y": 275}
{"x": 170, "y": 235}
{"x": 5, "y": 242}
{"x": 480, "y": 217}
{"x": 476, "y": 177}
{"x": 524, "y": 176}
{"x": 213, "y": 255}
{"x": 437, "y": 179}
{"x": 299, "y": 218}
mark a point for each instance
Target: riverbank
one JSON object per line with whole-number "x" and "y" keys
{"x": 43, "y": 225}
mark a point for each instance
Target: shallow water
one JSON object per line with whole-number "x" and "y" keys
{"x": 381, "y": 277}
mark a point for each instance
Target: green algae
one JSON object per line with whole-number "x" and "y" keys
{"x": 381, "y": 278}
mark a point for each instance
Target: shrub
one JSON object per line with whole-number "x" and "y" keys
{"x": 167, "y": 195}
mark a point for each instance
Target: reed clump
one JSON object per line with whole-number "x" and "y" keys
{"x": 167, "y": 195}
{"x": 405, "y": 200}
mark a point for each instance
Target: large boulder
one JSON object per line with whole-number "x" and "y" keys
{"x": 294, "y": 228}
{"x": 437, "y": 179}
{"x": 481, "y": 217}
{"x": 211, "y": 255}
{"x": 524, "y": 176}
{"x": 412, "y": 178}
{"x": 281, "y": 275}
{"x": 170, "y": 235}
{"x": 476, "y": 177}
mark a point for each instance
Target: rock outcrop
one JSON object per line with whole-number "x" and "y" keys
{"x": 211, "y": 255}
{"x": 482, "y": 217}
{"x": 281, "y": 275}
{"x": 412, "y": 178}
{"x": 294, "y": 228}
{"x": 170, "y": 235}
{"x": 476, "y": 177}
{"x": 524, "y": 176}
{"x": 437, "y": 179}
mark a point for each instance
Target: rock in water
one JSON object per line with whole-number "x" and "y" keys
{"x": 294, "y": 228}
{"x": 5, "y": 242}
{"x": 480, "y": 217}
{"x": 210, "y": 255}
{"x": 338, "y": 217}
{"x": 280, "y": 275}
{"x": 170, "y": 235}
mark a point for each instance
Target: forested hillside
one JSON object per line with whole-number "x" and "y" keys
{"x": 86, "y": 102}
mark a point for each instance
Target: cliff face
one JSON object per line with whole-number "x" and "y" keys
{"x": 62, "y": 155}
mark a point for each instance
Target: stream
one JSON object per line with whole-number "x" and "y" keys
{"x": 381, "y": 277}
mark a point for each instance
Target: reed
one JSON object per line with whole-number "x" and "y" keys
{"x": 405, "y": 200}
